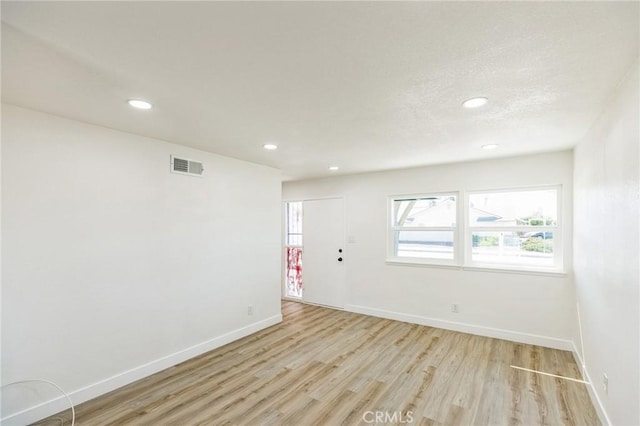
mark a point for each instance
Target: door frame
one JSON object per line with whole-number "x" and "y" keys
{"x": 283, "y": 271}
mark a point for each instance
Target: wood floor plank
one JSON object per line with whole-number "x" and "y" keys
{"x": 327, "y": 367}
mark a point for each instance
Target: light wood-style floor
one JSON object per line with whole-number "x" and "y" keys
{"x": 326, "y": 367}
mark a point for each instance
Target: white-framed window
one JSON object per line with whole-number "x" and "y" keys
{"x": 293, "y": 239}
{"x": 423, "y": 228}
{"x": 293, "y": 224}
{"x": 514, "y": 229}
{"x": 517, "y": 229}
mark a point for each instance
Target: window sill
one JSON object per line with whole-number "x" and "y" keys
{"x": 504, "y": 270}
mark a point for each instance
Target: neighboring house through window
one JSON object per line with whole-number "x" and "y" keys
{"x": 424, "y": 227}
{"x": 514, "y": 228}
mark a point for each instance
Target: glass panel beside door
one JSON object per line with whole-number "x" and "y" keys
{"x": 293, "y": 250}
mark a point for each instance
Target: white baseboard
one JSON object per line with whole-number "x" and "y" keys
{"x": 94, "y": 390}
{"x": 595, "y": 399}
{"x": 514, "y": 336}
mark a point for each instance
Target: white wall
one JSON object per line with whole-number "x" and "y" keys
{"x": 606, "y": 254}
{"x": 110, "y": 262}
{"x": 1, "y": 267}
{"x": 523, "y": 307}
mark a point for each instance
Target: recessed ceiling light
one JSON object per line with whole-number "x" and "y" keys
{"x": 334, "y": 168}
{"x": 140, "y": 104}
{"x": 475, "y": 102}
{"x": 270, "y": 146}
{"x": 490, "y": 146}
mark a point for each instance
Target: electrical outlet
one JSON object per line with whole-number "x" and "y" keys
{"x": 250, "y": 310}
{"x": 454, "y": 308}
{"x": 605, "y": 383}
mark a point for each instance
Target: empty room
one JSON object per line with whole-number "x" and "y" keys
{"x": 320, "y": 213}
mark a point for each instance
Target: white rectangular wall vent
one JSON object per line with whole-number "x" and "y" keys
{"x": 186, "y": 167}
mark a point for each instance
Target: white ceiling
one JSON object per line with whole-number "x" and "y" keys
{"x": 366, "y": 86}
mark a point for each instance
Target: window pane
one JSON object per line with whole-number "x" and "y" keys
{"x": 427, "y": 211}
{"x": 424, "y": 244}
{"x": 518, "y": 208}
{"x": 513, "y": 248}
{"x": 293, "y": 235}
{"x": 294, "y": 272}
{"x": 294, "y": 239}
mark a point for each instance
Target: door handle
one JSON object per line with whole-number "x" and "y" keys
{"x": 339, "y": 259}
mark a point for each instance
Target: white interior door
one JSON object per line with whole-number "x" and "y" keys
{"x": 323, "y": 270}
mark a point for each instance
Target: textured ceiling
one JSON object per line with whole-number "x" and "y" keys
{"x": 366, "y": 86}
